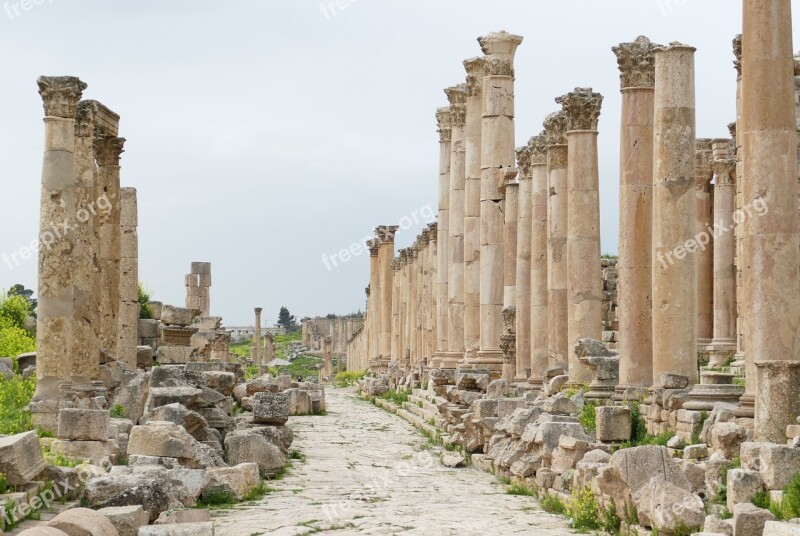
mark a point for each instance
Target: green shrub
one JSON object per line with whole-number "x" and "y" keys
{"x": 582, "y": 510}
{"x": 14, "y": 340}
{"x": 589, "y": 417}
{"x": 59, "y": 459}
{"x": 15, "y": 309}
{"x": 118, "y": 411}
{"x": 521, "y": 489}
{"x": 145, "y": 312}
{"x": 609, "y": 521}
{"x": 397, "y": 396}
{"x": 214, "y": 498}
{"x": 348, "y": 378}
{"x": 791, "y": 498}
{"x": 15, "y": 395}
{"x": 552, "y": 504}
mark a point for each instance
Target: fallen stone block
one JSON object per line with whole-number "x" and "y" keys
{"x": 21, "y": 458}
{"x": 453, "y": 459}
{"x": 183, "y": 529}
{"x": 742, "y": 486}
{"x": 664, "y": 506}
{"x": 749, "y": 520}
{"x": 239, "y": 480}
{"x": 83, "y": 424}
{"x": 779, "y": 528}
{"x": 181, "y": 517}
{"x": 43, "y": 530}
{"x": 83, "y": 522}
{"x": 271, "y": 408}
{"x": 777, "y": 464}
{"x": 126, "y": 519}
{"x": 248, "y": 447}
{"x": 174, "y": 355}
{"x": 178, "y": 316}
{"x": 613, "y": 423}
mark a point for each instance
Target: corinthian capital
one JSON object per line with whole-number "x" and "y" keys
{"x": 476, "y": 71}
{"x": 500, "y": 48}
{"x": 60, "y": 95}
{"x": 737, "y": 54}
{"x": 582, "y": 108}
{"x": 457, "y": 96}
{"x": 444, "y": 124}
{"x": 636, "y": 62}
{"x": 524, "y": 161}
{"x": 385, "y": 233}
{"x": 108, "y": 150}
{"x": 555, "y": 127}
{"x": 84, "y": 119}
{"x": 537, "y": 146}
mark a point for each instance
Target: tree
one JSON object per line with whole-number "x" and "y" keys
{"x": 20, "y": 290}
{"x": 287, "y": 320}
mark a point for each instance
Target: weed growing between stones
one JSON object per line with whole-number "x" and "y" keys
{"x": 552, "y": 504}
{"x": 788, "y": 507}
{"x": 348, "y": 378}
{"x": 118, "y": 411}
{"x": 522, "y": 490}
{"x": 59, "y": 459}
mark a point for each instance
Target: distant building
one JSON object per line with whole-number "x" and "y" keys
{"x": 243, "y": 333}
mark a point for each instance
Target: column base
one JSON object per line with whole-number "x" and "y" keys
{"x": 777, "y": 399}
{"x": 747, "y": 406}
{"x": 451, "y": 360}
{"x": 491, "y": 360}
{"x": 721, "y": 352}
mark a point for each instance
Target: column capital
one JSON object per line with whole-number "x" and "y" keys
{"x": 476, "y": 71}
{"x": 636, "y": 63}
{"x": 737, "y": 54}
{"x": 84, "y": 119}
{"x": 425, "y": 236}
{"x": 500, "y": 44}
{"x": 524, "y": 161}
{"x": 724, "y": 171}
{"x": 60, "y": 95}
{"x": 582, "y": 108}
{"x": 444, "y": 124}
{"x": 537, "y": 146}
{"x": 555, "y": 128}
{"x": 457, "y": 96}
{"x": 434, "y": 228}
{"x": 109, "y": 150}
{"x": 258, "y": 310}
{"x": 373, "y": 246}
{"x": 385, "y": 233}
{"x": 702, "y": 164}
{"x": 366, "y": 290}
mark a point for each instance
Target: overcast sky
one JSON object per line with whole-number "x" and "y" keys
{"x": 263, "y": 134}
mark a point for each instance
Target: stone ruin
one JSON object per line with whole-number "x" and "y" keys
{"x": 511, "y": 329}
{"x": 154, "y": 410}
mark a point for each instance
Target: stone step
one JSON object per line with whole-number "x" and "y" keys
{"x": 428, "y": 405}
{"x": 418, "y": 423}
{"x": 424, "y": 414}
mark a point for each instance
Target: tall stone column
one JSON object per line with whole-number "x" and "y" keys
{"x": 724, "y": 343}
{"x": 427, "y": 305}
{"x": 443, "y": 120}
{"x": 373, "y": 309}
{"x": 54, "y": 333}
{"x": 402, "y": 348}
{"x": 396, "y": 297}
{"x": 523, "y": 265}
{"x": 128, "y": 329}
{"x": 457, "y": 95}
{"x": 85, "y": 274}
{"x": 674, "y": 268}
{"x": 476, "y": 70}
{"x": 637, "y": 79}
{"x": 584, "y": 276}
{"x": 326, "y": 357}
{"x": 508, "y": 340}
{"x": 256, "y": 348}
{"x": 771, "y": 240}
{"x": 431, "y": 278}
{"x": 555, "y": 126}
{"x": 386, "y": 234}
{"x": 537, "y": 146}
{"x": 705, "y": 253}
{"x": 108, "y": 151}
{"x": 498, "y": 165}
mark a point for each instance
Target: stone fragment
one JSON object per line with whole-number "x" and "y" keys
{"x": 715, "y": 525}
{"x": 497, "y": 389}
{"x": 779, "y": 528}
{"x": 239, "y": 480}
{"x": 472, "y": 380}
{"x": 742, "y": 486}
{"x": 83, "y": 424}
{"x": 180, "y": 517}
{"x": 727, "y": 437}
{"x": 271, "y": 408}
{"x": 613, "y": 423}
{"x": 664, "y": 506}
{"x": 174, "y": 355}
{"x": 164, "y": 396}
{"x": 42, "y": 530}
{"x": 264, "y": 384}
{"x": 749, "y": 520}
{"x": 83, "y": 522}
{"x": 21, "y": 458}
{"x": 453, "y": 459}
{"x": 178, "y": 316}
{"x": 126, "y": 519}
{"x": 669, "y": 380}
{"x": 560, "y": 404}
{"x": 695, "y": 452}
{"x": 248, "y": 447}
{"x": 776, "y": 463}
{"x": 183, "y": 529}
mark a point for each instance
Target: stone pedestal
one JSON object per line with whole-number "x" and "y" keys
{"x": 637, "y": 79}
{"x": 584, "y": 278}
{"x": 713, "y": 387}
{"x": 674, "y": 272}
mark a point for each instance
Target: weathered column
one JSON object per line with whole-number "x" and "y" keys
{"x": 108, "y": 151}
{"x": 374, "y": 308}
{"x": 54, "y": 333}
{"x": 256, "y": 348}
{"x": 416, "y": 320}
{"x": 771, "y": 240}
{"x": 326, "y": 357}
{"x": 723, "y": 345}
{"x": 523, "y": 266}
{"x": 396, "y": 297}
{"x": 510, "y": 214}
{"x": 555, "y": 126}
{"x": 674, "y": 271}
{"x": 498, "y": 164}
{"x": 85, "y": 360}
{"x": 427, "y": 304}
{"x": 538, "y": 279}
{"x": 637, "y": 79}
{"x": 476, "y": 70}
{"x": 705, "y": 252}
{"x": 198, "y": 288}
{"x": 584, "y": 276}
{"x": 431, "y": 278}
{"x": 128, "y": 318}
{"x": 457, "y": 96}
{"x": 386, "y": 234}
{"x": 443, "y": 120}
{"x": 404, "y": 308}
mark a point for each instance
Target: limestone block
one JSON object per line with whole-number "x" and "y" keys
{"x": 265, "y": 384}
{"x": 135, "y": 460}
{"x": 695, "y": 452}
{"x": 21, "y": 458}
{"x": 507, "y": 406}
{"x": 637, "y": 466}
{"x": 299, "y": 401}
{"x": 548, "y": 434}
{"x": 239, "y": 480}
{"x": 280, "y": 436}
{"x": 742, "y": 486}
{"x": 560, "y": 404}
{"x": 180, "y": 517}
{"x": 163, "y": 396}
{"x": 83, "y": 522}
{"x": 144, "y": 356}
{"x": 613, "y": 423}
{"x": 554, "y": 385}
{"x": 669, "y": 380}
{"x": 715, "y": 525}
{"x": 191, "y": 421}
{"x": 696, "y": 474}
{"x": 271, "y": 408}
{"x": 223, "y": 382}
{"x": 174, "y": 355}
{"x": 777, "y": 464}
{"x": 515, "y": 423}
{"x": 778, "y": 528}
{"x": 749, "y": 520}
{"x": 472, "y": 380}
{"x": 178, "y": 316}
{"x": 84, "y": 424}
{"x": 43, "y": 530}
{"x": 665, "y": 506}
{"x": 485, "y": 408}
{"x": 183, "y": 529}
{"x": 497, "y": 389}
{"x": 727, "y": 437}
{"x": 163, "y": 439}
{"x": 126, "y": 519}
{"x": 453, "y": 459}
{"x": 249, "y": 447}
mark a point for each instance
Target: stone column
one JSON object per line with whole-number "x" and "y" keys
{"x": 326, "y": 357}
{"x": 498, "y": 165}
{"x": 386, "y": 235}
{"x": 523, "y": 265}
{"x": 771, "y": 245}
{"x": 539, "y": 288}
{"x": 443, "y": 119}
{"x": 85, "y": 345}
{"x": 54, "y": 333}
{"x": 198, "y": 288}
{"x": 373, "y": 309}
{"x": 457, "y": 95}
{"x": 427, "y": 305}
{"x": 256, "y": 348}
{"x": 584, "y": 276}
{"x": 637, "y": 80}
{"x": 396, "y": 297}
{"x": 705, "y": 252}
{"x": 472, "y": 208}
{"x": 510, "y": 215}
{"x": 555, "y": 126}
{"x": 431, "y": 278}
{"x": 128, "y": 329}
{"x": 723, "y": 345}
{"x": 108, "y": 151}
{"x": 674, "y": 270}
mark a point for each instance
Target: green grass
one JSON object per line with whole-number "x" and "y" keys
{"x": 118, "y": 411}
{"x": 522, "y": 490}
{"x": 348, "y": 378}
{"x": 59, "y": 459}
{"x": 588, "y": 417}
{"x": 216, "y": 499}
{"x": 15, "y": 395}
{"x": 788, "y": 507}
{"x": 397, "y": 396}
{"x": 552, "y": 504}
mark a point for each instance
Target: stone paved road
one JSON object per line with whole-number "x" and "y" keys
{"x": 369, "y": 472}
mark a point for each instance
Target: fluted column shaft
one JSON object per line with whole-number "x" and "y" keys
{"x": 539, "y": 271}
{"x": 442, "y": 271}
{"x": 724, "y": 246}
{"x": 705, "y": 254}
{"x": 523, "y": 266}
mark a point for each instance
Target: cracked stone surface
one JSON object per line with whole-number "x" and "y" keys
{"x": 368, "y": 472}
